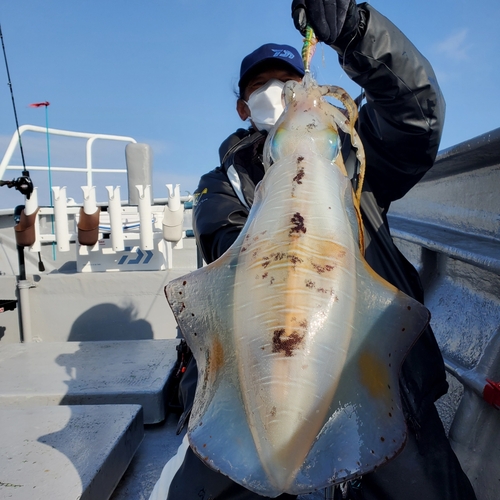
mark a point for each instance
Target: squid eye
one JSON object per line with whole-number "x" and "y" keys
{"x": 280, "y": 144}
{"x": 328, "y": 144}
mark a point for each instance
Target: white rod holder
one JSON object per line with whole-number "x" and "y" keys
{"x": 61, "y": 218}
{"x": 89, "y": 200}
{"x": 115, "y": 218}
{"x": 174, "y": 197}
{"x": 145, "y": 217}
{"x": 173, "y": 215}
{"x": 30, "y": 207}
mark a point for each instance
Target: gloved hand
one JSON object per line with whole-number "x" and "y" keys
{"x": 331, "y": 20}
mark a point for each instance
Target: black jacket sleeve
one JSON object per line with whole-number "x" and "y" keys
{"x": 218, "y": 215}
{"x": 401, "y": 123}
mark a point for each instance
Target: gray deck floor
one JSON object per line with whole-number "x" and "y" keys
{"x": 160, "y": 444}
{"x": 66, "y": 452}
{"x": 119, "y": 372}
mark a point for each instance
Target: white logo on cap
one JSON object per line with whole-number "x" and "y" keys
{"x": 283, "y": 53}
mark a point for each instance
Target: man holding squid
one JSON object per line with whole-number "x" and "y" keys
{"x": 400, "y": 127}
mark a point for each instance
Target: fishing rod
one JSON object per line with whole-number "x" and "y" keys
{"x": 24, "y": 183}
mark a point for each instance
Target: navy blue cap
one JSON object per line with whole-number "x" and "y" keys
{"x": 284, "y": 53}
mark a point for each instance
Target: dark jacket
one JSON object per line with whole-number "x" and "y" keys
{"x": 400, "y": 127}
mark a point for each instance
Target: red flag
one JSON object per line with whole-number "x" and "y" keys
{"x": 39, "y": 104}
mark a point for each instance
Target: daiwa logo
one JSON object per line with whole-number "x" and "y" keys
{"x": 135, "y": 257}
{"x": 287, "y": 54}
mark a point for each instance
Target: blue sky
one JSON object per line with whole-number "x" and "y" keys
{"x": 164, "y": 72}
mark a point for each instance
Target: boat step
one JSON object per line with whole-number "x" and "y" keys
{"x": 85, "y": 373}
{"x": 63, "y": 452}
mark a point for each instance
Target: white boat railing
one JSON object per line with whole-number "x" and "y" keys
{"x": 138, "y": 235}
{"x": 88, "y": 169}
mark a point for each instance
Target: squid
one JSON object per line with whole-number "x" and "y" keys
{"x": 298, "y": 341}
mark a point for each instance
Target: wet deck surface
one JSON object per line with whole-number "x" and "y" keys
{"x": 159, "y": 445}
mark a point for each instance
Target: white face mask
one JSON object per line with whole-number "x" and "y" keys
{"x": 265, "y": 105}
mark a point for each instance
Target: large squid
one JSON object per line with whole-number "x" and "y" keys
{"x": 298, "y": 341}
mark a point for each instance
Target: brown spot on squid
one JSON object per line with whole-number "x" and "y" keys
{"x": 286, "y": 343}
{"x": 298, "y": 224}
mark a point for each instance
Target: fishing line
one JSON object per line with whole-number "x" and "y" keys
{"x": 46, "y": 104}
{"x": 50, "y": 177}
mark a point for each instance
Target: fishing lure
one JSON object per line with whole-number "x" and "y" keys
{"x": 309, "y": 47}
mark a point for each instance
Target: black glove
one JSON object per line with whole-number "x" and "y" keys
{"x": 332, "y": 20}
